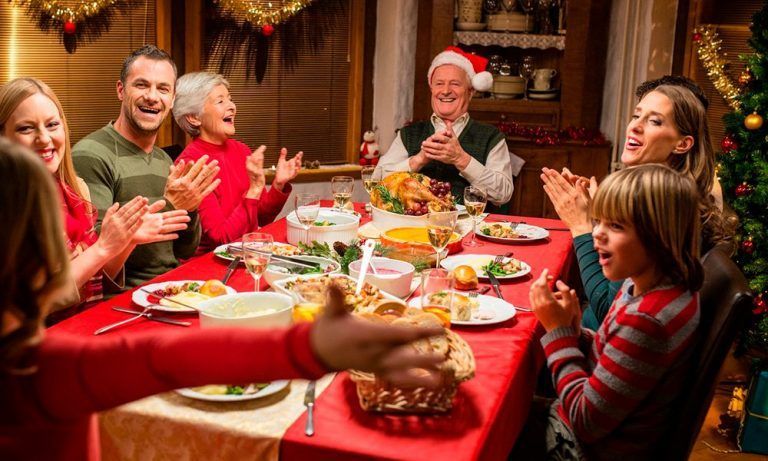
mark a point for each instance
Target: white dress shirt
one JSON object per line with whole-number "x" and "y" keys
{"x": 495, "y": 177}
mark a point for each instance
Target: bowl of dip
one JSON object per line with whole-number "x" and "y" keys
{"x": 247, "y": 310}
{"x": 392, "y": 276}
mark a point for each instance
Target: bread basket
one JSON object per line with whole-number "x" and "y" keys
{"x": 376, "y": 395}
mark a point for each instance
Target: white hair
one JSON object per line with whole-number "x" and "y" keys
{"x": 191, "y": 91}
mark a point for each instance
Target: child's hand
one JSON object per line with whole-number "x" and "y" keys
{"x": 560, "y": 309}
{"x": 343, "y": 342}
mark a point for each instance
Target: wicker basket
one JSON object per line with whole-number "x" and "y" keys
{"x": 376, "y": 395}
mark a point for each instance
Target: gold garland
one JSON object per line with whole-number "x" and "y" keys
{"x": 59, "y": 12}
{"x": 263, "y": 12}
{"x": 708, "y": 50}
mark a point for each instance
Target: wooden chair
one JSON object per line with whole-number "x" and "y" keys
{"x": 725, "y": 305}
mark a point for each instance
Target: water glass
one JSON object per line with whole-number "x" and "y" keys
{"x": 341, "y": 187}
{"x": 257, "y": 251}
{"x": 307, "y": 207}
{"x": 437, "y": 293}
{"x": 440, "y": 226}
{"x": 475, "y": 201}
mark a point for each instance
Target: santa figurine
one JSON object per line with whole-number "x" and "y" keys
{"x": 369, "y": 149}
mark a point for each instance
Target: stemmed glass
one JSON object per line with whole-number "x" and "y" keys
{"x": 341, "y": 187}
{"x": 307, "y": 207}
{"x": 371, "y": 177}
{"x": 437, "y": 283}
{"x": 526, "y": 71}
{"x": 257, "y": 251}
{"x": 475, "y": 200}
{"x": 440, "y": 225}
{"x": 527, "y": 6}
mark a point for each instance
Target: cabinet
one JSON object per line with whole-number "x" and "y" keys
{"x": 578, "y": 56}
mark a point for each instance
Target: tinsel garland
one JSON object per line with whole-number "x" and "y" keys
{"x": 82, "y": 24}
{"x": 263, "y": 12}
{"x": 708, "y": 45}
{"x": 548, "y": 137}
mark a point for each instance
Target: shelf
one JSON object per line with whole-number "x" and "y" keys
{"x": 506, "y": 39}
{"x": 500, "y": 105}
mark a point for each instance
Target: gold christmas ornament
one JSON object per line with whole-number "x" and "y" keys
{"x": 63, "y": 13}
{"x": 263, "y": 12}
{"x": 708, "y": 45}
{"x": 753, "y": 121}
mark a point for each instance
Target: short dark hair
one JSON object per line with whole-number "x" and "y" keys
{"x": 149, "y": 52}
{"x": 674, "y": 80}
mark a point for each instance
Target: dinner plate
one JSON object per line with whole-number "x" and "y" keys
{"x": 273, "y": 388}
{"x": 142, "y": 299}
{"x": 531, "y": 233}
{"x": 221, "y": 250}
{"x": 476, "y": 261}
{"x": 491, "y": 310}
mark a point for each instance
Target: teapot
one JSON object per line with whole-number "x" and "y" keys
{"x": 542, "y": 78}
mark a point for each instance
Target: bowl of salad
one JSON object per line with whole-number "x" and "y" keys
{"x": 279, "y": 270}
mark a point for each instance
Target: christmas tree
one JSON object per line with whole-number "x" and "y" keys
{"x": 743, "y": 172}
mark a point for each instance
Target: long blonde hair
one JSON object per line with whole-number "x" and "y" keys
{"x": 662, "y": 205}
{"x": 34, "y": 262}
{"x": 14, "y": 93}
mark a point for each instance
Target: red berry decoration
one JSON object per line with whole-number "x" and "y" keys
{"x": 761, "y": 306}
{"x": 267, "y": 30}
{"x": 69, "y": 27}
{"x": 728, "y": 144}
{"x": 697, "y": 37}
{"x": 743, "y": 189}
{"x": 748, "y": 246}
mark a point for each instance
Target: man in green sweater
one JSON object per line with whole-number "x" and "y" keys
{"x": 120, "y": 161}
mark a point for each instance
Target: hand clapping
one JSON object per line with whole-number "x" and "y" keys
{"x": 444, "y": 147}
{"x": 189, "y": 183}
{"x": 286, "y": 169}
{"x": 160, "y": 227}
{"x": 120, "y": 224}
{"x": 254, "y": 166}
{"x": 554, "y": 310}
{"x": 571, "y": 200}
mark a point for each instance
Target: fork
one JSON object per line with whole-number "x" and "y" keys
{"x": 499, "y": 259}
{"x": 122, "y": 322}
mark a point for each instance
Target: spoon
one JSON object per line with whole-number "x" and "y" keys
{"x": 367, "y": 248}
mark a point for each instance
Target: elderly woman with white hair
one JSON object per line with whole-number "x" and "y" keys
{"x": 204, "y": 109}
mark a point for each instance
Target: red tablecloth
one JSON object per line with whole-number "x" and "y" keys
{"x": 489, "y": 411}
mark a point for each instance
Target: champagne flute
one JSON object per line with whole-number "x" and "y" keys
{"x": 440, "y": 225}
{"x": 475, "y": 200}
{"x": 371, "y": 178}
{"x": 526, "y": 71}
{"x": 307, "y": 208}
{"x": 341, "y": 187}
{"x": 257, "y": 251}
{"x": 437, "y": 293}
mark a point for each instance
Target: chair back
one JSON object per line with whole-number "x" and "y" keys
{"x": 725, "y": 302}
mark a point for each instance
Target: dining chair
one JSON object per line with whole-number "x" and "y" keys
{"x": 725, "y": 301}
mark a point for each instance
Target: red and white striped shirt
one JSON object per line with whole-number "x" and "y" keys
{"x": 617, "y": 392}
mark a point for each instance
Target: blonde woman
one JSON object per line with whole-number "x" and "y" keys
{"x": 31, "y": 115}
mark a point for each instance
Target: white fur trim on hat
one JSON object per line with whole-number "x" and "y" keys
{"x": 481, "y": 81}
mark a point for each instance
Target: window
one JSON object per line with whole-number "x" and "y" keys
{"x": 83, "y": 81}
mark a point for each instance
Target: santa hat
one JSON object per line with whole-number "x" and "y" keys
{"x": 472, "y": 64}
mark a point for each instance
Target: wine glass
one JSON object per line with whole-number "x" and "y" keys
{"x": 527, "y": 6}
{"x": 307, "y": 208}
{"x": 440, "y": 225}
{"x": 341, "y": 187}
{"x": 526, "y": 71}
{"x": 371, "y": 177}
{"x": 437, "y": 293}
{"x": 257, "y": 251}
{"x": 475, "y": 200}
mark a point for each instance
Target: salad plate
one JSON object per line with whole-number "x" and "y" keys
{"x": 269, "y": 389}
{"x": 163, "y": 289}
{"x": 510, "y": 268}
{"x": 501, "y": 232}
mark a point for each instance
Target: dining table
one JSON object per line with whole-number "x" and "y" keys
{"x": 489, "y": 410}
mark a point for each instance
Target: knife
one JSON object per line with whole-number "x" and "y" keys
{"x": 231, "y": 269}
{"x": 495, "y": 284}
{"x": 151, "y": 316}
{"x": 309, "y": 402}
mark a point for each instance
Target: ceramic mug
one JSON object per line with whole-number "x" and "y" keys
{"x": 542, "y": 78}
{"x": 470, "y": 11}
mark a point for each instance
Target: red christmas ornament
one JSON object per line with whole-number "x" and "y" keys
{"x": 761, "y": 306}
{"x": 697, "y": 37}
{"x": 69, "y": 27}
{"x": 728, "y": 144}
{"x": 267, "y": 30}
{"x": 748, "y": 246}
{"x": 743, "y": 189}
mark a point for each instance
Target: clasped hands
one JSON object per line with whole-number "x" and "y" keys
{"x": 444, "y": 147}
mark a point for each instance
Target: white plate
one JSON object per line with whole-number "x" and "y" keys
{"x": 141, "y": 298}
{"x": 223, "y": 249}
{"x": 476, "y": 261}
{"x": 491, "y": 310}
{"x": 273, "y": 388}
{"x": 531, "y": 232}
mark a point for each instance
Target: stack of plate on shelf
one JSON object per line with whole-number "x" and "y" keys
{"x": 507, "y": 86}
{"x": 551, "y": 93}
{"x": 511, "y": 21}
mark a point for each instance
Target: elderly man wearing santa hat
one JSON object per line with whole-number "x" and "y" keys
{"x": 451, "y": 146}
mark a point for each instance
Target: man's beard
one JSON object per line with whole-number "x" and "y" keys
{"x": 142, "y": 129}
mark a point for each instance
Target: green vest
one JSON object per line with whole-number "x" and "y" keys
{"x": 477, "y": 139}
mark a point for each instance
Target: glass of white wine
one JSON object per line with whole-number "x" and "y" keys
{"x": 440, "y": 225}
{"x": 475, "y": 200}
{"x": 307, "y": 208}
{"x": 371, "y": 177}
{"x": 341, "y": 187}
{"x": 257, "y": 251}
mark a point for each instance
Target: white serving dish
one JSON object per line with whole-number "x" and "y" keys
{"x": 272, "y": 274}
{"x": 385, "y": 220}
{"x": 222, "y": 311}
{"x": 280, "y": 285}
{"x": 395, "y": 284}
{"x": 344, "y": 230}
